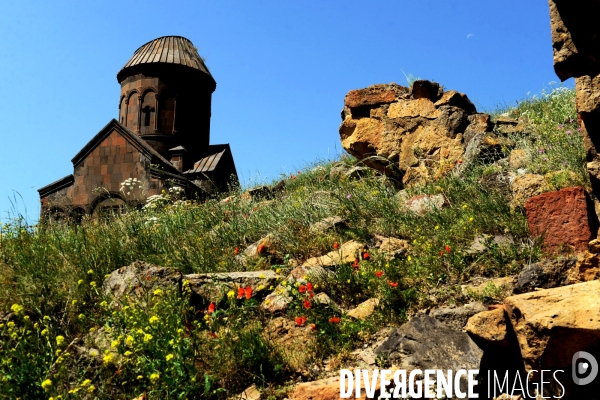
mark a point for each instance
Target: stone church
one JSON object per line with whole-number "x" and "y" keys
{"x": 161, "y": 138}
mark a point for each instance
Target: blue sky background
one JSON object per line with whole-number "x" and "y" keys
{"x": 282, "y": 70}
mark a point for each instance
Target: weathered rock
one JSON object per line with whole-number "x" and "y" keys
{"x": 364, "y": 310}
{"x": 478, "y": 124}
{"x": 575, "y": 38}
{"x": 525, "y": 186}
{"x": 545, "y": 274}
{"x": 425, "y": 343}
{"x": 457, "y": 317}
{"x": 587, "y": 268}
{"x": 485, "y": 148}
{"x": 488, "y": 328}
{"x": 423, "y": 126}
{"x": 518, "y": 158}
{"x": 483, "y": 242}
{"x": 423, "y": 89}
{"x": 265, "y": 246}
{"x": 280, "y": 298}
{"x": 373, "y": 95}
{"x": 139, "y": 278}
{"x": 553, "y": 324}
{"x": 322, "y": 389}
{"x": 329, "y": 223}
{"x": 214, "y": 286}
{"x": 258, "y": 193}
{"x": 345, "y": 254}
{"x": 504, "y": 125}
{"x": 251, "y": 393}
{"x": 564, "y": 218}
{"x": 588, "y": 112}
{"x": 292, "y": 340}
{"x": 391, "y": 246}
{"x": 425, "y": 203}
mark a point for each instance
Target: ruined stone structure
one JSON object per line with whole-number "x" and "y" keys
{"x": 161, "y": 137}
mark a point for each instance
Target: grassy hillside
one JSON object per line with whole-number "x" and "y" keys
{"x": 51, "y": 274}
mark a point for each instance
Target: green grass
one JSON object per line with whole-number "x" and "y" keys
{"x": 53, "y": 273}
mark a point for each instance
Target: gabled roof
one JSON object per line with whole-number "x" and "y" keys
{"x": 206, "y": 164}
{"x": 131, "y": 137}
{"x": 167, "y": 50}
{"x": 56, "y": 185}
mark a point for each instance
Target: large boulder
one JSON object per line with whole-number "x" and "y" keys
{"x": 425, "y": 343}
{"x": 575, "y": 37}
{"x": 565, "y": 218}
{"x": 587, "y": 268}
{"x": 391, "y": 127}
{"x": 552, "y": 325}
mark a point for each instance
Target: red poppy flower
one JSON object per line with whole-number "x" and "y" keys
{"x": 393, "y": 284}
{"x": 356, "y": 264}
{"x": 236, "y": 250}
{"x": 241, "y": 292}
{"x": 302, "y": 289}
{"x": 366, "y": 256}
{"x": 310, "y": 294}
{"x": 309, "y": 287}
{"x": 307, "y": 304}
{"x": 313, "y": 327}
{"x": 460, "y": 161}
{"x": 248, "y": 292}
{"x": 300, "y": 321}
{"x": 336, "y": 246}
{"x": 441, "y": 253}
{"x": 379, "y": 274}
{"x": 260, "y": 249}
{"x": 211, "y": 308}
{"x": 334, "y": 320}
{"x": 447, "y": 248}
{"x": 255, "y": 208}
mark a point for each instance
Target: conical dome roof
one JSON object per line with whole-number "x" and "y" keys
{"x": 166, "y": 50}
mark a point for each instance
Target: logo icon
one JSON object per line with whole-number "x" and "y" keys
{"x": 585, "y": 368}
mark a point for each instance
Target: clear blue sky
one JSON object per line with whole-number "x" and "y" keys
{"x": 282, "y": 70}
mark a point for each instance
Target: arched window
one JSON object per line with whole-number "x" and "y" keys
{"x": 123, "y": 110}
{"x": 148, "y": 113}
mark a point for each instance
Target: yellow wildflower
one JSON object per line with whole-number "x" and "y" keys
{"x": 158, "y": 292}
{"x": 91, "y": 271}
{"x": 17, "y": 309}
{"x": 169, "y": 357}
{"x": 437, "y": 227}
{"x": 108, "y": 359}
{"x": 93, "y": 284}
{"x": 154, "y": 377}
{"x": 60, "y": 340}
{"x": 230, "y": 294}
{"x": 128, "y": 353}
{"x": 93, "y": 353}
{"x": 81, "y": 316}
{"x": 79, "y": 282}
{"x": 261, "y": 276}
{"x": 139, "y": 377}
{"x": 85, "y": 383}
{"x": 91, "y": 388}
{"x": 147, "y": 337}
{"x": 47, "y": 384}
{"x": 154, "y": 320}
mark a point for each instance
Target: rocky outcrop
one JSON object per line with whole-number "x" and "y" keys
{"x": 587, "y": 268}
{"x": 345, "y": 254}
{"x": 565, "y": 218}
{"x": 364, "y": 309}
{"x": 417, "y": 130}
{"x": 575, "y": 38}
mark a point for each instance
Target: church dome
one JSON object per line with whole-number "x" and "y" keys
{"x": 175, "y": 50}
